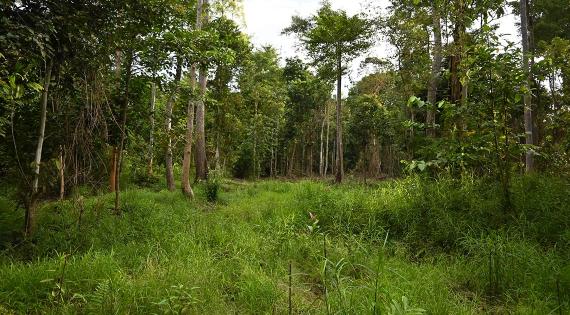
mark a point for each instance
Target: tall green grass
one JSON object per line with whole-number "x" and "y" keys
{"x": 400, "y": 247}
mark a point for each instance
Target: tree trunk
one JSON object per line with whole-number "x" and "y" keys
{"x": 339, "y": 147}
{"x": 61, "y": 173}
{"x": 327, "y": 141}
{"x": 186, "y": 188}
{"x": 114, "y": 150}
{"x": 458, "y": 34}
{"x": 30, "y": 209}
{"x": 169, "y": 107}
{"x": 292, "y": 161}
{"x": 321, "y": 151}
{"x": 123, "y": 130}
{"x": 435, "y": 71}
{"x": 151, "y": 138}
{"x": 529, "y": 158}
{"x": 41, "y": 133}
{"x": 113, "y": 169}
{"x": 255, "y": 143}
{"x": 201, "y": 159}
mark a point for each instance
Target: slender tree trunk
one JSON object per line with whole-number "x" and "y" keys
{"x": 458, "y": 32}
{"x": 274, "y": 149}
{"x": 321, "y": 152}
{"x": 333, "y": 156}
{"x": 151, "y": 138}
{"x": 529, "y": 158}
{"x": 327, "y": 144}
{"x": 339, "y": 147}
{"x": 535, "y": 100}
{"x": 41, "y": 133}
{"x": 113, "y": 169}
{"x": 255, "y": 143}
{"x": 303, "y": 146}
{"x": 217, "y": 153}
{"x": 292, "y": 161}
{"x": 123, "y": 130}
{"x": 114, "y": 150}
{"x": 201, "y": 158}
{"x": 169, "y": 107}
{"x": 435, "y": 70}
{"x": 186, "y": 188}
{"x": 31, "y": 208}
{"x": 61, "y": 173}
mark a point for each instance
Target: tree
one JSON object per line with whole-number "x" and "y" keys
{"x": 527, "y": 96}
{"x": 263, "y": 91}
{"x": 333, "y": 39}
{"x": 201, "y": 158}
{"x": 308, "y": 96}
{"x": 169, "y": 108}
{"x": 435, "y": 69}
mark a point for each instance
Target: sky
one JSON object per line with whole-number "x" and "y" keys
{"x": 266, "y": 19}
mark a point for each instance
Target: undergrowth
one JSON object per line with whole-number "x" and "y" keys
{"x": 410, "y": 246}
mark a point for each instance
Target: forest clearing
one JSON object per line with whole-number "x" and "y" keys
{"x": 284, "y": 157}
{"x": 440, "y": 247}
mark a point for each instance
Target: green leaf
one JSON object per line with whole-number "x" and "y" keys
{"x": 422, "y": 165}
{"x": 35, "y": 86}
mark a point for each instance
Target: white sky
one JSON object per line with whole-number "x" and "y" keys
{"x": 266, "y": 19}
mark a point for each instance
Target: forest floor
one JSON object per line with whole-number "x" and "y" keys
{"x": 398, "y": 247}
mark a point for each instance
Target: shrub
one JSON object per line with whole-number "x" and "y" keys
{"x": 213, "y": 185}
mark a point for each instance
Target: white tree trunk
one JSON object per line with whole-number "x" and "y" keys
{"x": 41, "y": 133}
{"x": 435, "y": 70}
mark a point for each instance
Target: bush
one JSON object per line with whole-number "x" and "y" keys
{"x": 213, "y": 185}
{"x": 429, "y": 214}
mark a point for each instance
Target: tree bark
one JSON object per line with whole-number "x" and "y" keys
{"x": 113, "y": 169}
{"x": 151, "y": 137}
{"x": 186, "y": 187}
{"x": 201, "y": 159}
{"x": 321, "y": 151}
{"x": 529, "y": 158}
{"x": 61, "y": 173}
{"x": 30, "y": 209}
{"x": 458, "y": 34}
{"x": 114, "y": 150}
{"x": 327, "y": 144}
{"x": 255, "y": 174}
{"x": 41, "y": 133}
{"x": 169, "y": 107}
{"x": 339, "y": 147}
{"x": 435, "y": 71}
